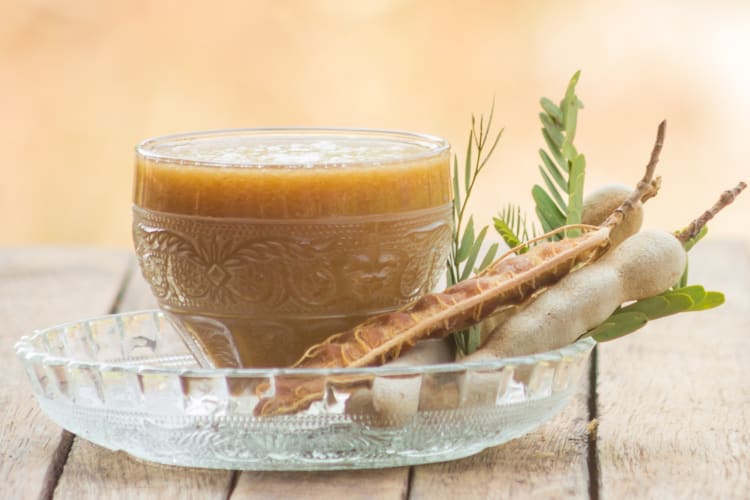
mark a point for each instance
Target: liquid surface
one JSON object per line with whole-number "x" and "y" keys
{"x": 295, "y": 151}
{"x": 311, "y": 178}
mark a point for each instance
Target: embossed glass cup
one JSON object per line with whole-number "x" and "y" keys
{"x": 261, "y": 242}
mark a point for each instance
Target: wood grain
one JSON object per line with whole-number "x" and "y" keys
{"x": 40, "y": 288}
{"x": 336, "y": 485}
{"x": 137, "y": 295}
{"x": 675, "y": 396}
{"x": 95, "y": 472}
{"x": 550, "y": 462}
{"x": 674, "y": 408}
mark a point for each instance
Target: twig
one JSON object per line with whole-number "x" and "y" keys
{"x": 727, "y": 197}
{"x": 647, "y": 187}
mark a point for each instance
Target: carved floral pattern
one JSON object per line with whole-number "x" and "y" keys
{"x": 324, "y": 266}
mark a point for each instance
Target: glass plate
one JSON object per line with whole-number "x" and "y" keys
{"x": 127, "y": 382}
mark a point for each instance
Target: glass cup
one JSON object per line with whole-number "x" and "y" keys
{"x": 259, "y": 243}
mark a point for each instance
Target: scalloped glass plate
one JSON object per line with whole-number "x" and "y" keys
{"x": 127, "y": 382}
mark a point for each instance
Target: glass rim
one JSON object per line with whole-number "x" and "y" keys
{"x": 433, "y": 145}
{"x": 28, "y": 353}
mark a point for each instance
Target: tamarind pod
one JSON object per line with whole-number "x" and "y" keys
{"x": 644, "y": 265}
{"x": 599, "y": 204}
{"x": 510, "y": 280}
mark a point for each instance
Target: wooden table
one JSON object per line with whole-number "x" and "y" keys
{"x": 664, "y": 413}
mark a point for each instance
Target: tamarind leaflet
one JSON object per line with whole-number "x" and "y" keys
{"x": 660, "y": 305}
{"x": 618, "y": 325}
{"x": 711, "y": 300}
{"x": 632, "y": 317}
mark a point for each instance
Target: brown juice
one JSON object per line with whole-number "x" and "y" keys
{"x": 291, "y": 192}
{"x": 260, "y": 251}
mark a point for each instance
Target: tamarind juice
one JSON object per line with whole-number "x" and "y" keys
{"x": 261, "y": 243}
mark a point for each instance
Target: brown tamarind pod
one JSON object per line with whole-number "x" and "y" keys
{"x": 509, "y": 281}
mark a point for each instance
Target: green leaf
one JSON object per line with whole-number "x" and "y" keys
{"x": 491, "y": 150}
{"x": 689, "y": 244}
{"x": 678, "y": 302}
{"x": 711, "y": 300}
{"x": 569, "y": 151}
{"x": 564, "y": 168}
{"x": 575, "y": 193}
{"x": 474, "y": 338}
{"x": 571, "y": 120}
{"x": 490, "y": 116}
{"x": 450, "y": 276}
{"x": 552, "y": 110}
{"x": 661, "y": 305}
{"x": 465, "y": 249}
{"x": 651, "y": 305}
{"x": 569, "y": 108}
{"x": 456, "y": 191}
{"x": 552, "y": 130}
{"x": 460, "y": 340}
{"x": 696, "y": 292}
{"x": 489, "y": 257}
{"x": 633, "y": 316}
{"x": 551, "y": 216}
{"x": 511, "y": 226}
{"x": 684, "y": 278}
{"x": 553, "y": 170}
{"x": 546, "y": 227}
{"x": 506, "y": 233}
{"x": 473, "y": 255}
{"x": 618, "y": 325}
{"x": 556, "y": 153}
{"x": 551, "y": 189}
{"x": 468, "y": 161}
{"x": 467, "y": 241}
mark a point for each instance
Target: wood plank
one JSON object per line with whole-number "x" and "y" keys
{"x": 675, "y": 397}
{"x": 331, "y": 485}
{"x": 40, "y": 288}
{"x": 95, "y": 472}
{"x": 137, "y": 294}
{"x": 550, "y": 462}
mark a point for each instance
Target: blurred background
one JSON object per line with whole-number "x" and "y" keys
{"x": 82, "y": 81}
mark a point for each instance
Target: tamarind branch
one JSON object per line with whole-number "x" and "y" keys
{"x": 727, "y": 197}
{"x": 647, "y": 187}
{"x": 655, "y": 152}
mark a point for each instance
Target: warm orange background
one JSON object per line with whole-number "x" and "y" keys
{"x": 81, "y": 81}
